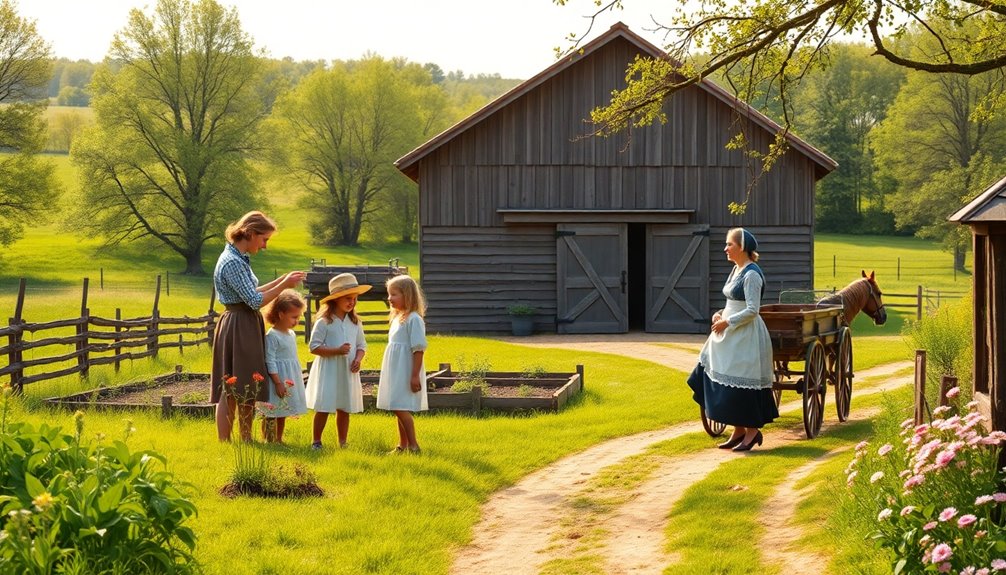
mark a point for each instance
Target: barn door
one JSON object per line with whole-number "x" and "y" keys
{"x": 591, "y": 278}
{"x": 677, "y": 278}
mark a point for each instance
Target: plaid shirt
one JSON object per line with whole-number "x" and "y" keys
{"x": 234, "y": 280}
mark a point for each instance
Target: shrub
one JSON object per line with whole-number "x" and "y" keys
{"x": 932, "y": 494}
{"x": 521, "y": 309}
{"x": 534, "y": 372}
{"x": 471, "y": 375}
{"x": 947, "y": 338}
{"x": 70, "y": 505}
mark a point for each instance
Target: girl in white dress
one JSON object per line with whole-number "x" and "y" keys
{"x": 333, "y": 384}
{"x": 402, "y": 387}
{"x": 286, "y": 394}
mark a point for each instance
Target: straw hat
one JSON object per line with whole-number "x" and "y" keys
{"x": 344, "y": 284}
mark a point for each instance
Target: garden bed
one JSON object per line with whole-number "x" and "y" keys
{"x": 502, "y": 391}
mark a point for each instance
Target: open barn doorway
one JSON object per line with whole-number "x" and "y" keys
{"x": 636, "y": 277}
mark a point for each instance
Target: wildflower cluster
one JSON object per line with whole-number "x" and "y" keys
{"x": 934, "y": 494}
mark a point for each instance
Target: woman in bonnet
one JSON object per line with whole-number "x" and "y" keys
{"x": 733, "y": 379}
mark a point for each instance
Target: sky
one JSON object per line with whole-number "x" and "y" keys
{"x": 514, "y": 38}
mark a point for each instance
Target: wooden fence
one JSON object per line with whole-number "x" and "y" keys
{"x": 101, "y": 341}
{"x": 923, "y": 301}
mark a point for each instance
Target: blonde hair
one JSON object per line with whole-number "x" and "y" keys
{"x": 287, "y": 300}
{"x": 412, "y": 298}
{"x": 735, "y": 236}
{"x": 328, "y": 310}
{"x": 254, "y": 222}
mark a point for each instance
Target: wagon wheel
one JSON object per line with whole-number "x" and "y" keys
{"x": 713, "y": 428}
{"x": 843, "y": 374}
{"x": 815, "y": 387}
{"x": 780, "y": 369}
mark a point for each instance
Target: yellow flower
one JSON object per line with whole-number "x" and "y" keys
{"x": 43, "y": 501}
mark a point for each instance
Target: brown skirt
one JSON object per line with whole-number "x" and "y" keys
{"x": 239, "y": 351}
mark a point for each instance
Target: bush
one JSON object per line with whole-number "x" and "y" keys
{"x": 947, "y": 337}
{"x": 69, "y": 505}
{"x": 930, "y": 494}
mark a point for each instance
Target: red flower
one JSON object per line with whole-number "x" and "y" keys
{"x": 288, "y": 383}
{"x": 257, "y": 377}
{"x": 231, "y": 380}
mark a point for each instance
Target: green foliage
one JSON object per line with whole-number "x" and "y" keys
{"x": 533, "y": 372}
{"x": 947, "y": 338}
{"x": 471, "y": 375}
{"x": 525, "y": 390}
{"x": 177, "y": 116}
{"x": 66, "y": 502}
{"x": 930, "y": 494}
{"x": 521, "y": 309}
{"x": 27, "y": 186}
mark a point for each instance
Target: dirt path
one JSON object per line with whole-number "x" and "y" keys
{"x": 532, "y": 523}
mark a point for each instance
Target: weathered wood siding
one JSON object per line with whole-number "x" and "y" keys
{"x": 527, "y": 156}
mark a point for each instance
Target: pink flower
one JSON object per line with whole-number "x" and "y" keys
{"x": 862, "y": 445}
{"x": 876, "y": 477}
{"x": 884, "y": 514}
{"x": 966, "y": 520}
{"x": 953, "y": 392}
{"x": 907, "y": 509}
{"x": 257, "y": 377}
{"x": 929, "y": 526}
{"x": 288, "y": 383}
{"x": 983, "y": 499}
{"x": 945, "y": 457}
{"x": 852, "y": 476}
{"x": 999, "y": 564}
{"x": 941, "y": 553}
{"x": 884, "y": 449}
{"x": 999, "y": 497}
{"x": 913, "y": 481}
{"x": 982, "y": 571}
{"x": 948, "y": 514}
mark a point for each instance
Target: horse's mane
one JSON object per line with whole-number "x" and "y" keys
{"x": 852, "y": 298}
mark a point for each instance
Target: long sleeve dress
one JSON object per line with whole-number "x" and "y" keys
{"x": 733, "y": 379}
{"x": 331, "y": 385}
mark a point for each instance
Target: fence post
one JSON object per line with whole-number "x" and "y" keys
{"x": 476, "y": 400}
{"x": 899, "y": 268}
{"x": 14, "y": 340}
{"x": 118, "y": 328}
{"x": 918, "y": 309}
{"x": 947, "y": 382}
{"x": 211, "y": 315}
{"x": 167, "y": 283}
{"x": 920, "y": 386}
{"x": 579, "y": 371}
{"x": 82, "y": 328}
{"x": 101, "y": 279}
{"x": 834, "y": 264}
{"x": 153, "y": 345}
{"x": 166, "y": 406}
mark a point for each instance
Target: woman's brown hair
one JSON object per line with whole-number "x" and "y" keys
{"x": 254, "y": 222}
{"x": 287, "y": 300}
{"x": 735, "y": 236}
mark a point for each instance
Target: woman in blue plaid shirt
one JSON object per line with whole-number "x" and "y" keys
{"x": 238, "y": 379}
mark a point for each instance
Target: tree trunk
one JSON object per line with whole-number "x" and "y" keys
{"x": 959, "y": 253}
{"x": 194, "y": 263}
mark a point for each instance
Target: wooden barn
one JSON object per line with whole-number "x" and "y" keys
{"x": 602, "y": 235}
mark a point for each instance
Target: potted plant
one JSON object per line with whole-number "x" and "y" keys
{"x": 521, "y": 318}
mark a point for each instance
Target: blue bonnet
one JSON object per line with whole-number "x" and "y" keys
{"x": 748, "y": 241}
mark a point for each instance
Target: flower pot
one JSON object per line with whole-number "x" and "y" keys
{"x": 522, "y": 325}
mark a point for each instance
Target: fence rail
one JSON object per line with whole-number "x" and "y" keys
{"x": 103, "y": 341}
{"x": 923, "y": 301}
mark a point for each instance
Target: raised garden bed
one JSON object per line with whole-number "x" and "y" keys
{"x": 189, "y": 393}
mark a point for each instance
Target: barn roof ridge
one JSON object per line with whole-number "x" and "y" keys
{"x": 408, "y": 164}
{"x": 981, "y": 204}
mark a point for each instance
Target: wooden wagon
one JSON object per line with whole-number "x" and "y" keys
{"x": 819, "y": 337}
{"x": 317, "y": 278}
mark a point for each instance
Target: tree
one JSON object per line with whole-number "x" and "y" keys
{"x": 168, "y": 156}
{"x": 342, "y": 129}
{"x": 27, "y": 184}
{"x": 839, "y": 107}
{"x": 63, "y": 128}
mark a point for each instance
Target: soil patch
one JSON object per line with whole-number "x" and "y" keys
{"x": 191, "y": 392}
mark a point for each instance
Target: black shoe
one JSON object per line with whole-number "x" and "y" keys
{"x": 747, "y": 446}
{"x": 732, "y": 443}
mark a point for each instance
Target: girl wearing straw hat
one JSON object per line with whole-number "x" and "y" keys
{"x": 337, "y": 339}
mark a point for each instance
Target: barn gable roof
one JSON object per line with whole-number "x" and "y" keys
{"x": 409, "y": 163}
{"x": 989, "y": 206}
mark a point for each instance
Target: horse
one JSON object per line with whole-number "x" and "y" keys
{"x": 863, "y": 295}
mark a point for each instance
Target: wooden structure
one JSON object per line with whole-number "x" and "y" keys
{"x": 317, "y": 278}
{"x": 602, "y": 235}
{"x": 820, "y": 338}
{"x": 986, "y": 215}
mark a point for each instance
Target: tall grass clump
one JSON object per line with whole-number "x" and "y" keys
{"x": 70, "y": 505}
{"x": 947, "y": 338}
{"x": 930, "y": 494}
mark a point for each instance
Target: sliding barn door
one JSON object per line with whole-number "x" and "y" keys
{"x": 591, "y": 278}
{"x": 677, "y": 290}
